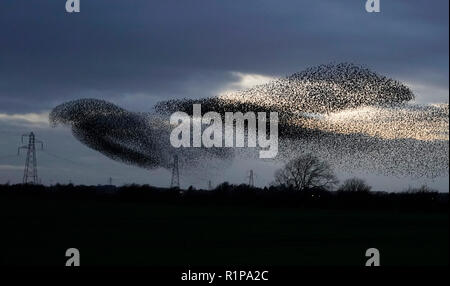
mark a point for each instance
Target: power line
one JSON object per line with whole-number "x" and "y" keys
{"x": 63, "y": 159}
{"x": 110, "y": 179}
{"x": 8, "y": 156}
{"x": 10, "y": 133}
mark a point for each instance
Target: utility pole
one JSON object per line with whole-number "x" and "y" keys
{"x": 30, "y": 175}
{"x": 175, "y": 182}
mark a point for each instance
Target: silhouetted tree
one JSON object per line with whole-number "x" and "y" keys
{"x": 306, "y": 172}
{"x": 225, "y": 186}
{"x": 354, "y": 185}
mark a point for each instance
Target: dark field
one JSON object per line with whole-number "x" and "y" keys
{"x": 37, "y": 231}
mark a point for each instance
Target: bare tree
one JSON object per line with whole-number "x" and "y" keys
{"x": 354, "y": 185}
{"x": 306, "y": 172}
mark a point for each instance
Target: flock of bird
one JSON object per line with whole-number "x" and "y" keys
{"x": 346, "y": 114}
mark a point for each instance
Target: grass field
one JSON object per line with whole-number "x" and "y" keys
{"x": 38, "y": 231}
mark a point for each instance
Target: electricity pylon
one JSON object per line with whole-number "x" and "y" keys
{"x": 30, "y": 175}
{"x": 251, "y": 181}
{"x": 175, "y": 182}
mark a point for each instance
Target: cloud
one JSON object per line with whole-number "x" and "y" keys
{"x": 26, "y": 119}
{"x": 245, "y": 81}
{"x": 168, "y": 49}
{"x": 429, "y": 93}
{"x": 11, "y": 167}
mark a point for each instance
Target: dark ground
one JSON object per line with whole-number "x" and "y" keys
{"x": 37, "y": 230}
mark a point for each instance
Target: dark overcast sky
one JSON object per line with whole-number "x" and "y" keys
{"x": 137, "y": 52}
{"x": 158, "y": 49}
